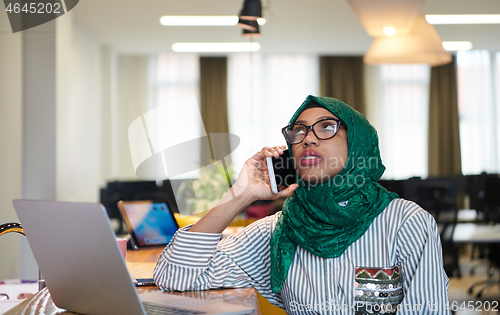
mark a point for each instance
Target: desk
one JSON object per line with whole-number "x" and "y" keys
{"x": 140, "y": 264}
{"x": 476, "y": 233}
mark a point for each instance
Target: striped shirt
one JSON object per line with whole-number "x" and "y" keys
{"x": 403, "y": 235}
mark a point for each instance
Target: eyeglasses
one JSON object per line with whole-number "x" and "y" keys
{"x": 323, "y": 129}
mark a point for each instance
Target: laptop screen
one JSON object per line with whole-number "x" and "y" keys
{"x": 150, "y": 223}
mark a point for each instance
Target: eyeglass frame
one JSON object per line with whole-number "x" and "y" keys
{"x": 311, "y": 127}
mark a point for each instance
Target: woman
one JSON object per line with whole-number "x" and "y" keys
{"x": 342, "y": 244}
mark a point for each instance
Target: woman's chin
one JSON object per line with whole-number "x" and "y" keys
{"x": 317, "y": 177}
{"x": 313, "y": 179}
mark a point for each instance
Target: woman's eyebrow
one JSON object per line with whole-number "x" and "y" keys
{"x": 319, "y": 118}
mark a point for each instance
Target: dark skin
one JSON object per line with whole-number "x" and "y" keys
{"x": 333, "y": 152}
{"x": 253, "y": 182}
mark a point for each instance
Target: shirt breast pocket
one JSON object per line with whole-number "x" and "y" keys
{"x": 377, "y": 289}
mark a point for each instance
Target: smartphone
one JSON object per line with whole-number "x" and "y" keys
{"x": 281, "y": 171}
{"x": 144, "y": 282}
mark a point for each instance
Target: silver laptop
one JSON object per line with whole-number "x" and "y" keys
{"x": 76, "y": 251}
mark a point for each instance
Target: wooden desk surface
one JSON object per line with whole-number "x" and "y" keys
{"x": 140, "y": 264}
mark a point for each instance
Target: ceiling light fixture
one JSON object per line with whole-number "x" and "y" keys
{"x": 375, "y": 15}
{"x": 248, "y": 25}
{"x": 202, "y": 20}
{"x": 251, "y": 34}
{"x": 389, "y": 30}
{"x": 198, "y": 20}
{"x": 215, "y": 47}
{"x": 463, "y": 18}
{"x": 421, "y": 45}
{"x": 457, "y": 45}
{"x": 252, "y": 10}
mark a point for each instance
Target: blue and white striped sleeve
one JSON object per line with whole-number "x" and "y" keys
{"x": 201, "y": 261}
{"x": 184, "y": 263}
{"x": 420, "y": 256}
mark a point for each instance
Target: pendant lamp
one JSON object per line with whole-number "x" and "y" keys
{"x": 250, "y": 25}
{"x": 375, "y": 15}
{"x": 252, "y": 10}
{"x": 251, "y": 34}
{"x": 421, "y": 45}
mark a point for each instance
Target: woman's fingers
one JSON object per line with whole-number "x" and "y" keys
{"x": 288, "y": 191}
{"x": 275, "y": 151}
{"x": 258, "y": 158}
{"x": 255, "y": 177}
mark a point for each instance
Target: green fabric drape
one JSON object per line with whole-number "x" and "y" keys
{"x": 444, "y": 137}
{"x": 343, "y": 78}
{"x": 313, "y": 217}
{"x": 213, "y": 98}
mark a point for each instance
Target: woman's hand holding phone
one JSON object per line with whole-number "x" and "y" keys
{"x": 252, "y": 184}
{"x": 254, "y": 177}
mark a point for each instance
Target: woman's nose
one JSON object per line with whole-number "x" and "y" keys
{"x": 310, "y": 138}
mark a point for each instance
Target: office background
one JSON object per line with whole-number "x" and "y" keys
{"x": 70, "y": 88}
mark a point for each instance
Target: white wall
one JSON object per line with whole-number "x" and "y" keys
{"x": 131, "y": 102}
{"x": 10, "y": 143}
{"x": 50, "y": 142}
{"x": 79, "y": 119}
{"x": 66, "y": 103}
{"x": 28, "y": 139}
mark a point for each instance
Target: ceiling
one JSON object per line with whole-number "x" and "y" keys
{"x": 306, "y": 26}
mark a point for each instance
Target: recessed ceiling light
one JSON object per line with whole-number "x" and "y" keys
{"x": 202, "y": 20}
{"x": 457, "y": 45}
{"x": 389, "y": 30}
{"x": 463, "y": 18}
{"x": 215, "y": 47}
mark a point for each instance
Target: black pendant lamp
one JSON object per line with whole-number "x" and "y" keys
{"x": 249, "y": 25}
{"x": 252, "y": 10}
{"x": 252, "y": 33}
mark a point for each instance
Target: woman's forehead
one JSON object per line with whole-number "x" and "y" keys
{"x": 314, "y": 114}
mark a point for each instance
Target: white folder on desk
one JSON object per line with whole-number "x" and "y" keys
{"x": 76, "y": 251}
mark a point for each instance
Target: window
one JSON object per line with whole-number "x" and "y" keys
{"x": 478, "y": 75}
{"x": 263, "y": 93}
{"x": 175, "y": 77}
{"x": 397, "y": 99}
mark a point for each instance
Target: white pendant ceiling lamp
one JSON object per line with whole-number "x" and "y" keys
{"x": 381, "y": 17}
{"x": 421, "y": 44}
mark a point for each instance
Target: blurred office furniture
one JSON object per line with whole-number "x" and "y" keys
{"x": 439, "y": 197}
{"x": 483, "y": 191}
{"x": 494, "y": 256}
{"x": 475, "y": 194}
{"x": 136, "y": 190}
{"x": 393, "y": 185}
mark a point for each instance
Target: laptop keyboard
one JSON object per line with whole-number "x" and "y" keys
{"x": 155, "y": 309}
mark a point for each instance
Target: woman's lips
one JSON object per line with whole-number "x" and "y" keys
{"x": 310, "y": 157}
{"x": 310, "y": 161}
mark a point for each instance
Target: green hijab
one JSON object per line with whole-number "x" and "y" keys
{"x": 316, "y": 217}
